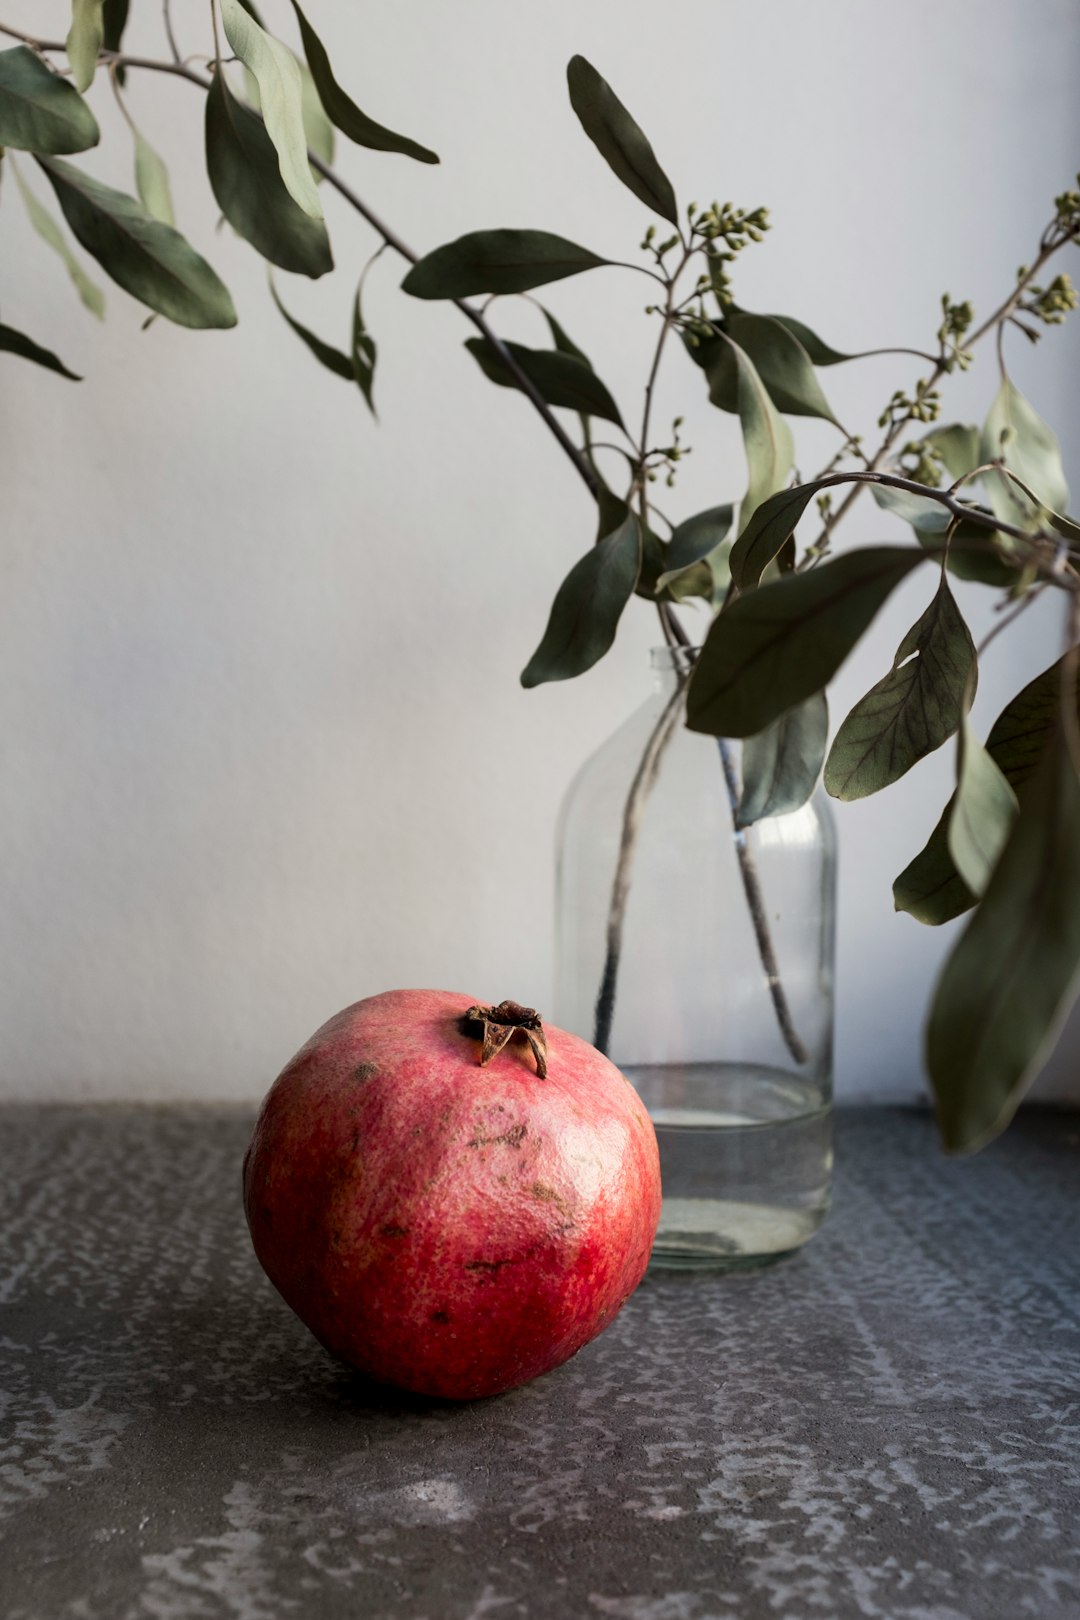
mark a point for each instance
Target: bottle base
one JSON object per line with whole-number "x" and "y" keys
{"x": 711, "y": 1234}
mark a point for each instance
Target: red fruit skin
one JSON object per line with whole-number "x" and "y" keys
{"x": 451, "y": 1229}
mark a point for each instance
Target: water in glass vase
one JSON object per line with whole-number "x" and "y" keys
{"x": 745, "y": 1160}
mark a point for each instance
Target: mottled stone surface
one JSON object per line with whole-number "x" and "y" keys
{"x": 888, "y": 1426}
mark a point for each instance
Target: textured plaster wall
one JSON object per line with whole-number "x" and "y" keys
{"x": 256, "y": 649}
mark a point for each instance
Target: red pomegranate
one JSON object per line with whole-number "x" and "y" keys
{"x": 452, "y": 1197}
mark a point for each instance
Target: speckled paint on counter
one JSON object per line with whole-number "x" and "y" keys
{"x": 886, "y": 1427}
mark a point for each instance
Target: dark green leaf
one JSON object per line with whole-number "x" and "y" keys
{"x": 331, "y": 358}
{"x": 983, "y": 811}
{"x": 343, "y": 111}
{"x": 930, "y": 888}
{"x": 245, "y": 176}
{"x": 976, "y": 553}
{"x": 562, "y": 340}
{"x": 820, "y": 353}
{"x": 770, "y": 526}
{"x": 916, "y": 707}
{"x": 560, "y": 379}
{"x": 149, "y": 260}
{"x": 281, "y": 100}
{"x": 781, "y": 765}
{"x": 611, "y": 511}
{"x": 587, "y": 607}
{"x": 13, "y": 342}
{"x": 1006, "y": 988}
{"x": 783, "y": 364}
{"x": 1014, "y": 433}
{"x": 363, "y": 352}
{"x": 776, "y": 646}
{"x": 114, "y": 18}
{"x": 697, "y": 536}
{"x": 497, "y": 262}
{"x": 40, "y": 112}
{"x": 618, "y": 139}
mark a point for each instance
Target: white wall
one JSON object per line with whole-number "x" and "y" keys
{"x": 255, "y": 647}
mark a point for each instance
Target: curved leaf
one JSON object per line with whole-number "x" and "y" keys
{"x": 770, "y": 451}
{"x": 976, "y": 553}
{"x": 85, "y": 38}
{"x": 983, "y": 811}
{"x": 781, "y": 765}
{"x": 1017, "y": 435}
{"x": 769, "y": 528}
{"x": 343, "y": 111}
{"x": 50, "y": 232}
{"x": 246, "y": 181}
{"x": 776, "y": 646}
{"x": 40, "y": 112}
{"x": 149, "y": 260}
{"x": 783, "y": 364}
{"x": 957, "y": 444}
{"x": 503, "y": 261}
{"x": 819, "y": 352}
{"x": 587, "y": 608}
{"x": 916, "y": 707}
{"x": 152, "y": 181}
{"x": 114, "y": 18}
{"x": 560, "y": 379}
{"x": 1012, "y": 977}
{"x": 325, "y": 353}
{"x": 363, "y": 353}
{"x": 930, "y": 889}
{"x": 694, "y": 538}
{"x": 618, "y": 139}
{"x": 15, "y": 342}
{"x": 277, "y": 74}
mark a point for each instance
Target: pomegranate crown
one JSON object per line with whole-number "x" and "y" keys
{"x": 498, "y": 1026}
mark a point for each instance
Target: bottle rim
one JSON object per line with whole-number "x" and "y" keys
{"x": 680, "y": 659}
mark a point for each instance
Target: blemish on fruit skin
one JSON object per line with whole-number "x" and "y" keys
{"x": 394, "y": 1231}
{"x": 547, "y": 1194}
{"x": 365, "y": 1071}
{"x": 512, "y": 1138}
{"x": 440, "y": 1316}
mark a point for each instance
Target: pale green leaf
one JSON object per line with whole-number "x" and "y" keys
{"x": 277, "y": 74}
{"x": 49, "y": 231}
{"x": 152, "y": 181}
{"x": 1016, "y": 434}
{"x": 770, "y": 450}
{"x": 85, "y": 39}
{"x": 958, "y": 446}
{"x": 983, "y": 811}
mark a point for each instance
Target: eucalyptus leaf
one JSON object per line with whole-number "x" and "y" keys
{"x": 152, "y": 181}
{"x": 49, "y": 231}
{"x": 1009, "y": 983}
{"x": 277, "y": 74}
{"x": 930, "y": 889}
{"x": 819, "y": 352}
{"x": 40, "y": 112}
{"x": 149, "y": 260}
{"x": 781, "y": 765}
{"x": 776, "y": 646}
{"x": 114, "y": 16}
{"x": 563, "y": 341}
{"x": 696, "y": 537}
{"x": 697, "y": 557}
{"x": 958, "y": 446}
{"x": 1016, "y": 434}
{"x": 333, "y": 359}
{"x": 318, "y": 130}
{"x": 916, "y": 707}
{"x": 618, "y": 139}
{"x": 783, "y": 364}
{"x": 343, "y": 111}
{"x": 975, "y": 553}
{"x": 363, "y": 352}
{"x": 587, "y": 607}
{"x": 85, "y": 39}
{"x": 242, "y": 163}
{"x": 767, "y": 532}
{"x": 560, "y": 379}
{"x": 983, "y": 811}
{"x": 767, "y": 441}
{"x": 15, "y": 342}
{"x": 503, "y": 261}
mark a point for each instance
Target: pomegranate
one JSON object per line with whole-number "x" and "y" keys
{"x": 452, "y": 1197}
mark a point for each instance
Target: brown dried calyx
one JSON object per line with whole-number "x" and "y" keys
{"x": 499, "y": 1025}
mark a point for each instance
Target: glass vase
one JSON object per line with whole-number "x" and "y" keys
{"x": 698, "y": 955}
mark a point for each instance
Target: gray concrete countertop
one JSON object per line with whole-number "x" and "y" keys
{"x": 886, "y": 1427}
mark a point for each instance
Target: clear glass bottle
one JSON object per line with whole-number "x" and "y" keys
{"x": 700, "y": 958}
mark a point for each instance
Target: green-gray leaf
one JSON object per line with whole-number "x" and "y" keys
{"x": 976, "y": 553}
{"x": 149, "y": 260}
{"x": 14, "y": 342}
{"x": 363, "y": 353}
{"x": 40, "y": 112}
{"x": 618, "y": 139}
{"x": 343, "y": 111}
{"x": 85, "y": 38}
{"x": 1015, "y": 433}
{"x": 325, "y": 353}
{"x": 781, "y": 765}
{"x": 983, "y": 811}
{"x": 776, "y": 646}
{"x": 930, "y": 889}
{"x": 783, "y": 364}
{"x": 767, "y": 531}
{"x": 152, "y": 181}
{"x": 819, "y": 352}
{"x": 277, "y": 74}
{"x": 958, "y": 446}
{"x": 503, "y": 261}
{"x": 1012, "y": 977}
{"x": 50, "y": 232}
{"x": 244, "y": 173}
{"x": 916, "y": 707}
{"x": 696, "y": 537}
{"x": 559, "y": 378}
{"x": 587, "y": 607}
{"x": 770, "y": 451}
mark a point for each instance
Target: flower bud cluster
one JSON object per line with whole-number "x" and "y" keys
{"x": 955, "y": 323}
{"x": 921, "y": 461}
{"x": 1051, "y": 304}
{"x": 925, "y": 407}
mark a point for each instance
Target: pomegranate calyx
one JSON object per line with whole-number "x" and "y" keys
{"x": 499, "y": 1025}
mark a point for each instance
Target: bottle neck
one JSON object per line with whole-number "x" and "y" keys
{"x": 670, "y": 667}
